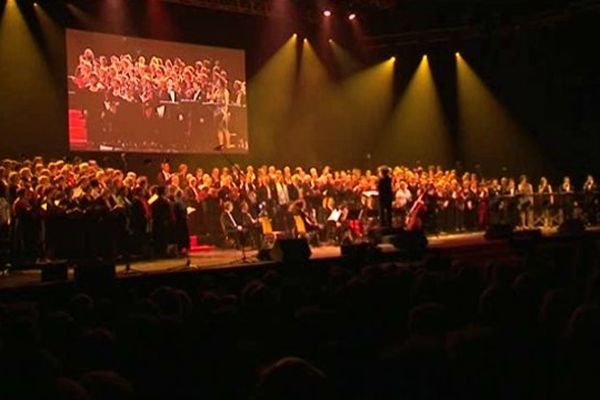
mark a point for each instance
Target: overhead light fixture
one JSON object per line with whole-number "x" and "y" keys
{"x": 352, "y": 16}
{"x": 327, "y": 13}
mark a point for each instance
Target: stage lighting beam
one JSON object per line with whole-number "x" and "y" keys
{"x": 327, "y": 13}
{"x": 418, "y": 129}
{"x": 352, "y": 16}
{"x": 488, "y": 131}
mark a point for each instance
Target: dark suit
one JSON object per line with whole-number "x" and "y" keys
{"x": 293, "y": 193}
{"x": 262, "y": 195}
{"x": 228, "y": 222}
{"x": 139, "y": 223}
{"x": 162, "y": 178}
{"x": 386, "y": 196}
{"x": 162, "y": 222}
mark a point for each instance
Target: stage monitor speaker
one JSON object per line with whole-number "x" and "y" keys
{"x": 499, "y": 232}
{"x": 413, "y": 241}
{"x": 264, "y": 254}
{"x": 572, "y": 227}
{"x": 383, "y": 235}
{"x": 96, "y": 274}
{"x": 54, "y": 271}
{"x": 290, "y": 251}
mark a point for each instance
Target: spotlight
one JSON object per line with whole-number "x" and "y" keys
{"x": 327, "y": 13}
{"x": 457, "y": 54}
{"x": 393, "y": 58}
{"x": 352, "y": 16}
{"x": 424, "y": 56}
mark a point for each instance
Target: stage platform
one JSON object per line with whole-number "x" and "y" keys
{"x": 472, "y": 246}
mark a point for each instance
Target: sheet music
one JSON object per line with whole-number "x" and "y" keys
{"x": 152, "y": 199}
{"x": 335, "y": 215}
{"x": 371, "y": 193}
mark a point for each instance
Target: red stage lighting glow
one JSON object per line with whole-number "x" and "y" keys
{"x": 327, "y": 13}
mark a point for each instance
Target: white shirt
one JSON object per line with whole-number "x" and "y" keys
{"x": 403, "y": 197}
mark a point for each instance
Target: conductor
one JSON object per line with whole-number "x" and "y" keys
{"x": 384, "y": 186}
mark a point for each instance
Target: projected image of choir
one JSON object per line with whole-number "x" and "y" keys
{"x": 134, "y": 103}
{"x": 116, "y": 211}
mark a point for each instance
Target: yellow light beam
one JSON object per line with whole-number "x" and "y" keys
{"x": 417, "y": 129}
{"x": 270, "y": 94}
{"x": 307, "y": 115}
{"x": 346, "y": 62}
{"x": 52, "y": 36}
{"x": 349, "y": 114}
{"x": 26, "y": 79}
{"x": 487, "y": 132}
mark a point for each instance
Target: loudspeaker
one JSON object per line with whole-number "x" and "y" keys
{"x": 383, "y": 235}
{"x": 413, "y": 241}
{"x": 264, "y": 254}
{"x": 95, "y": 273}
{"x": 499, "y": 231}
{"x": 572, "y": 227}
{"x": 292, "y": 251}
{"x": 54, "y": 271}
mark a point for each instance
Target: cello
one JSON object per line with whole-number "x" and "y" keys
{"x": 413, "y": 218}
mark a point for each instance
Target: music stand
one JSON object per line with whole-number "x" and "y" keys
{"x": 241, "y": 235}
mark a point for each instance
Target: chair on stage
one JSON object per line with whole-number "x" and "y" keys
{"x": 299, "y": 227}
{"x": 301, "y": 232}
{"x": 268, "y": 234}
{"x": 231, "y": 238}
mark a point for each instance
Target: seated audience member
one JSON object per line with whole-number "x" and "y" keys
{"x": 294, "y": 379}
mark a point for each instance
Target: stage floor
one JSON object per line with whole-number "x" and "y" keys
{"x": 227, "y": 258}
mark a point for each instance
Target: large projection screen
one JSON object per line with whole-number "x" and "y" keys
{"x": 147, "y": 96}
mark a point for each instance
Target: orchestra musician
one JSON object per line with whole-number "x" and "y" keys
{"x": 402, "y": 198}
{"x": 300, "y": 208}
{"x": 231, "y": 228}
{"x": 386, "y": 196}
{"x": 250, "y": 224}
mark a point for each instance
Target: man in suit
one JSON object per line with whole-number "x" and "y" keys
{"x": 195, "y": 93}
{"x": 265, "y": 193}
{"x": 228, "y": 222}
{"x": 231, "y": 228}
{"x": 164, "y": 176}
{"x": 386, "y": 196}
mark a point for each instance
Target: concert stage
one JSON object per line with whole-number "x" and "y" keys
{"x": 472, "y": 246}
